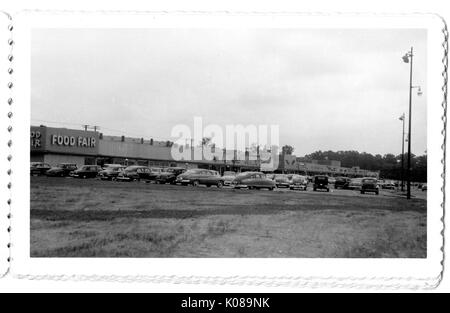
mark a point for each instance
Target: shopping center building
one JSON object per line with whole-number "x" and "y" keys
{"x": 61, "y": 145}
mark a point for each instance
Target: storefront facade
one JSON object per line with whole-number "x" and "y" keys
{"x": 61, "y": 145}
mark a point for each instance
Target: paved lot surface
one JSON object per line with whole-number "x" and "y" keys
{"x": 92, "y": 218}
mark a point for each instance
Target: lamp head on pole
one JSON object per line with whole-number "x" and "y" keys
{"x": 419, "y": 92}
{"x": 406, "y": 58}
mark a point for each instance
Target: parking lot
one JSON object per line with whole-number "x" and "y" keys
{"x": 93, "y": 218}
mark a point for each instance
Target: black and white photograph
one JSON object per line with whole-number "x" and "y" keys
{"x": 228, "y": 143}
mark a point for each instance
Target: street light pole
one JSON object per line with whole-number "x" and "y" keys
{"x": 402, "y": 118}
{"x": 408, "y": 172}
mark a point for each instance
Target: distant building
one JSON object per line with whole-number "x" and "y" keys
{"x": 62, "y": 145}
{"x": 294, "y": 164}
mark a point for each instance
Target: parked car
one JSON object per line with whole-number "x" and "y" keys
{"x": 342, "y": 182}
{"x": 331, "y": 180}
{"x": 298, "y": 182}
{"x": 355, "y": 184}
{"x": 134, "y": 173}
{"x": 424, "y": 187}
{"x": 196, "y": 177}
{"x": 388, "y": 185}
{"x": 228, "y": 177}
{"x": 39, "y": 168}
{"x": 169, "y": 175}
{"x": 282, "y": 181}
{"x": 154, "y": 173}
{"x": 110, "y": 172}
{"x": 369, "y": 185}
{"x": 61, "y": 170}
{"x": 253, "y": 180}
{"x": 321, "y": 183}
{"x": 86, "y": 171}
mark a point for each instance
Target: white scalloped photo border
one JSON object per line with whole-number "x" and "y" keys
{"x": 23, "y": 267}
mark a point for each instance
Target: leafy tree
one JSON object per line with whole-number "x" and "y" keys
{"x": 286, "y": 149}
{"x": 388, "y": 165}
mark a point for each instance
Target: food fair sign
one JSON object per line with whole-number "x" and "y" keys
{"x": 62, "y": 140}
{"x": 72, "y": 141}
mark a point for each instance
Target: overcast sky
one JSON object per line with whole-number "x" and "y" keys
{"x": 326, "y": 89}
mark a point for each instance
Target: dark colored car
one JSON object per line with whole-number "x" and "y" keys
{"x": 282, "y": 181}
{"x": 197, "y": 177}
{"x": 369, "y": 185}
{"x": 342, "y": 182}
{"x": 86, "y": 171}
{"x": 299, "y": 182}
{"x": 169, "y": 175}
{"x": 39, "y": 168}
{"x": 110, "y": 173}
{"x": 253, "y": 180}
{"x": 321, "y": 183}
{"x": 134, "y": 173}
{"x": 424, "y": 187}
{"x": 61, "y": 170}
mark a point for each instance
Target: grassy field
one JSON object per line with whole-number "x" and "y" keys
{"x": 91, "y": 218}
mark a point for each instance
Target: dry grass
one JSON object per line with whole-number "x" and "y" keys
{"x": 72, "y": 218}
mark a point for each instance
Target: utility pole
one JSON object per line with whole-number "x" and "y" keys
{"x": 402, "y": 118}
{"x": 408, "y": 176}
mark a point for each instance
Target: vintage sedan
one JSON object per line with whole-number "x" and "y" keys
{"x": 253, "y": 180}
{"x": 369, "y": 185}
{"x": 61, "y": 170}
{"x": 282, "y": 181}
{"x": 86, "y": 171}
{"x": 321, "y": 183}
{"x": 39, "y": 168}
{"x": 388, "y": 185}
{"x": 134, "y": 173}
{"x": 355, "y": 184}
{"x": 110, "y": 172}
{"x": 154, "y": 173}
{"x": 196, "y": 177}
{"x": 228, "y": 177}
{"x": 298, "y": 182}
{"x": 169, "y": 175}
{"x": 341, "y": 182}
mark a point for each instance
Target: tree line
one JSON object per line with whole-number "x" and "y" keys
{"x": 389, "y": 165}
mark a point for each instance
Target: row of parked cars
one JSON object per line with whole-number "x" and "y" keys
{"x": 178, "y": 175}
{"x": 195, "y": 177}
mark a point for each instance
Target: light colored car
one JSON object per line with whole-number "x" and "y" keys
{"x": 388, "y": 185}
{"x": 228, "y": 177}
{"x": 282, "y": 181}
{"x": 355, "y": 184}
{"x": 299, "y": 182}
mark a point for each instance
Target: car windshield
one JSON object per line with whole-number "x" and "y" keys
{"x": 241, "y": 175}
{"x": 370, "y": 180}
